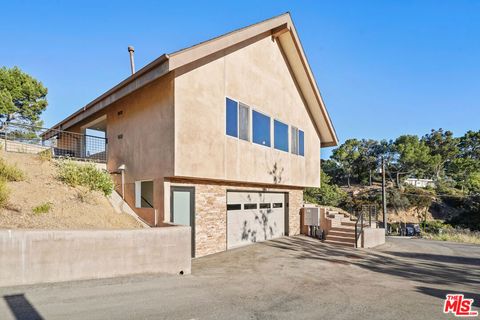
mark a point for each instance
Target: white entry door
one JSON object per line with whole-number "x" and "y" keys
{"x": 182, "y": 209}
{"x": 254, "y": 217}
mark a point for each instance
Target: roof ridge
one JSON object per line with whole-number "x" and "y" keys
{"x": 227, "y": 34}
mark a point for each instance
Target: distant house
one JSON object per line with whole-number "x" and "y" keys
{"x": 420, "y": 183}
{"x": 222, "y": 136}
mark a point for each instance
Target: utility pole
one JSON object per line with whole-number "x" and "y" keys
{"x": 384, "y": 198}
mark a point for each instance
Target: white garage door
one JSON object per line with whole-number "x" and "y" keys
{"x": 254, "y": 217}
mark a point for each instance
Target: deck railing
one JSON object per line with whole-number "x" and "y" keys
{"x": 25, "y": 138}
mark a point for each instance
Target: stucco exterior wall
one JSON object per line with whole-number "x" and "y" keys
{"x": 258, "y": 76}
{"x": 211, "y": 211}
{"x": 140, "y": 135}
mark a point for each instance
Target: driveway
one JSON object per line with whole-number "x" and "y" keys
{"x": 289, "y": 278}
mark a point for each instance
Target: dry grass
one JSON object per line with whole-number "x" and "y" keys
{"x": 10, "y": 172}
{"x": 455, "y": 235}
{"x": 45, "y": 155}
{"x": 71, "y": 207}
{"x": 4, "y": 193}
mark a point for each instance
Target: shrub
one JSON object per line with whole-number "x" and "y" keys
{"x": 435, "y": 226}
{"x": 470, "y": 215}
{"x": 10, "y": 172}
{"x": 45, "y": 155}
{"x": 4, "y": 192}
{"x": 86, "y": 175}
{"x": 42, "y": 208}
{"x": 328, "y": 194}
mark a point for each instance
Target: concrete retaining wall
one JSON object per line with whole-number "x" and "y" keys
{"x": 372, "y": 237}
{"x": 35, "y": 256}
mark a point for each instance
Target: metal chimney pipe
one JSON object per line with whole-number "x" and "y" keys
{"x": 132, "y": 62}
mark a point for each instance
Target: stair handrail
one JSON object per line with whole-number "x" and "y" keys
{"x": 357, "y": 234}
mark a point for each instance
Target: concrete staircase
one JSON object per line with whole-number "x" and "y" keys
{"x": 341, "y": 231}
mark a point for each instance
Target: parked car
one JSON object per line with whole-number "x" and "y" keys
{"x": 412, "y": 230}
{"x": 409, "y": 231}
{"x": 417, "y": 229}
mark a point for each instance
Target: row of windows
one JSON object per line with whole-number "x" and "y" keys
{"x": 238, "y": 126}
{"x": 250, "y": 206}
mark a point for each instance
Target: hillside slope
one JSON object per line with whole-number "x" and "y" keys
{"x": 399, "y": 211}
{"x": 71, "y": 208}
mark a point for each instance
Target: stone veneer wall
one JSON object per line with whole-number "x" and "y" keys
{"x": 211, "y": 212}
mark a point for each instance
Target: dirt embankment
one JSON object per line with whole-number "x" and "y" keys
{"x": 438, "y": 210}
{"x": 69, "y": 207}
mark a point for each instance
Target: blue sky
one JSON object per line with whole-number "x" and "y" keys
{"x": 384, "y": 68}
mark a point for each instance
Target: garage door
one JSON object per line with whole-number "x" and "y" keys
{"x": 254, "y": 217}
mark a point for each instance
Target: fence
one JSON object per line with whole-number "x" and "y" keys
{"x": 25, "y": 138}
{"x": 370, "y": 215}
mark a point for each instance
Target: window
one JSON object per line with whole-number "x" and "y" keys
{"x": 261, "y": 129}
{"x": 298, "y": 143}
{"x": 239, "y": 120}
{"x": 144, "y": 194}
{"x": 280, "y": 135}
{"x": 232, "y": 117}
{"x": 234, "y": 207}
{"x": 244, "y": 122}
{"x": 264, "y": 205}
{"x": 278, "y": 205}
{"x": 249, "y": 206}
{"x": 294, "y": 138}
{"x": 301, "y": 145}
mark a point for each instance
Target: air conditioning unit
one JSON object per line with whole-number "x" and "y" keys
{"x": 311, "y": 217}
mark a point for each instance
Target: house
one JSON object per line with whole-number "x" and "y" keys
{"x": 222, "y": 136}
{"x": 420, "y": 183}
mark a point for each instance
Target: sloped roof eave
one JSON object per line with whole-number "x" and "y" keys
{"x": 166, "y": 63}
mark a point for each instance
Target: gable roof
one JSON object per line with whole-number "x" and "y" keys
{"x": 280, "y": 27}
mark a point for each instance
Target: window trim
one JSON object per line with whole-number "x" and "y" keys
{"x": 138, "y": 195}
{"x": 294, "y": 136}
{"x": 295, "y": 149}
{"x": 249, "y": 125}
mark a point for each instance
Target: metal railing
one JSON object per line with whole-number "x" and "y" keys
{"x": 24, "y": 138}
{"x": 358, "y": 234}
{"x": 370, "y": 211}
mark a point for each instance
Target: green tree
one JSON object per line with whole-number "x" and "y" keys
{"x": 443, "y": 149}
{"x": 413, "y": 156}
{"x": 465, "y": 167}
{"x": 21, "y": 96}
{"x": 462, "y": 171}
{"x": 333, "y": 170}
{"x": 469, "y": 145}
{"x": 328, "y": 194}
{"x": 346, "y": 156}
{"x": 473, "y": 183}
{"x": 369, "y": 153}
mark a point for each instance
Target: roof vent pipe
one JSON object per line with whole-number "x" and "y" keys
{"x": 132, "y": 62}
